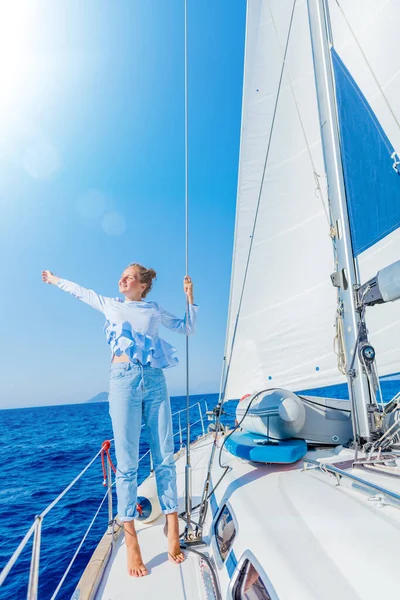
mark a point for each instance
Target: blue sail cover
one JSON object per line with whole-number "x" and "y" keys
{"x": 372, "y": 185}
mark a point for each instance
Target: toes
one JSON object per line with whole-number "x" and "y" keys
{"x": 176, "y": 558}
{"x": 171, "y": 557}
{"x": 140, "y": 572}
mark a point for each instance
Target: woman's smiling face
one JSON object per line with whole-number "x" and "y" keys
{"x": 129, "y": 284}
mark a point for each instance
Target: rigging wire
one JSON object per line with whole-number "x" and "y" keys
{"x": 188, "y": 491}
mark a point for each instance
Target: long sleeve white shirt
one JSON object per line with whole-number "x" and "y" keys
{"x": 131, "y": 326}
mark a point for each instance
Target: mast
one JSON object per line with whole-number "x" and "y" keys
{"x": 345, "y": 277}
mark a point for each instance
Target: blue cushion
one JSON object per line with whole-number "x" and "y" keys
{"x": 252, "y": 447}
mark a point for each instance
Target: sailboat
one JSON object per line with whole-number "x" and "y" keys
{"x": 303, "y": 494}
{"x": 307, "y": 489}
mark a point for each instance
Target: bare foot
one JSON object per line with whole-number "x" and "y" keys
{"x": 171, "y": 531}
{"x": 136, "y": 567}
{"x": 176, "y": 556}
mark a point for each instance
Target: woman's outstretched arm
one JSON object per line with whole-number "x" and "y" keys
{"x": 179, "y": 325}
{"x": 88, "y": 296}
{"x": 175, "y": 323}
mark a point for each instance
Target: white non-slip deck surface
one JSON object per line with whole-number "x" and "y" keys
{"x": 165, "y": 580}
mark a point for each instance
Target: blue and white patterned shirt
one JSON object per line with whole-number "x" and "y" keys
{"x": 131, "y": 326}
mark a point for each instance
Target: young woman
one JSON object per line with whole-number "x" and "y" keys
{"x": 138, "y": 386}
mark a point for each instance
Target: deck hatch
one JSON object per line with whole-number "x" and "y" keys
{"x": 225, "y": 532}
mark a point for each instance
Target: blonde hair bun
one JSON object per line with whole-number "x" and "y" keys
{"x": 146, "y": 276}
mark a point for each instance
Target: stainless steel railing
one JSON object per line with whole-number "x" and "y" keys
{"x": 36, "y": 527}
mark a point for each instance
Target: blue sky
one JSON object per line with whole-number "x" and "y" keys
{"x": 92, "y": 179}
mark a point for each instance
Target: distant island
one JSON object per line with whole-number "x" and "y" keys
{"x": 102, "y": 397}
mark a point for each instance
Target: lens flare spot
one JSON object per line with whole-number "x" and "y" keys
{"x": 42, "y": 160}
{"x": 113, "y": 224}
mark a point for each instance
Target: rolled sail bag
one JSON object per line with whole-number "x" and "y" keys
{"x": 277, "y": 413}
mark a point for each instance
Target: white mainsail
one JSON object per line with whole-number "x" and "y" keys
{"x": 285, "y": 331}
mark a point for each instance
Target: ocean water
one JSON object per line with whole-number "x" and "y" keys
{"x": 43, "y": 450}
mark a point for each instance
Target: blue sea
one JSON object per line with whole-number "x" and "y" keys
{"x": 43, "y": 450}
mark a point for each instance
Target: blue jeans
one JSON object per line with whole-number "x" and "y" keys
{"x": 137, "y": 389}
